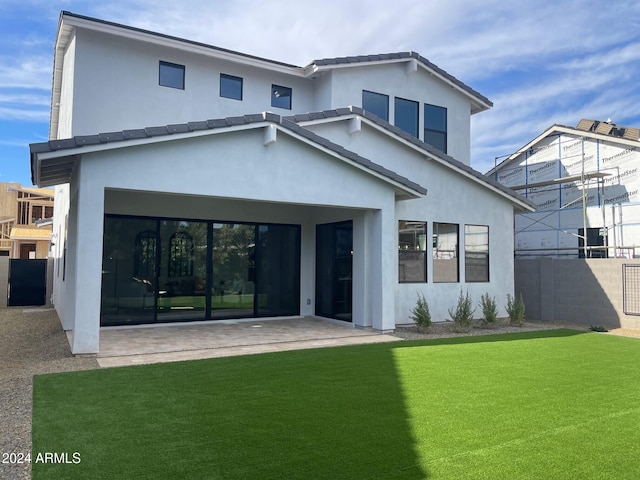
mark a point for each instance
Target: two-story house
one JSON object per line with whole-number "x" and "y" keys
{"x": 196, "y": 183}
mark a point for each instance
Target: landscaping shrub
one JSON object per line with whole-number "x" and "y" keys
{"x": 462, "y": 314}
{"x": 420, "y": 314}
{"x": 489, "y": 309}
{"x": 515, "y": 309}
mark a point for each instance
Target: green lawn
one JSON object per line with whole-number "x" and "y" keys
{"x": 540, "y": 405}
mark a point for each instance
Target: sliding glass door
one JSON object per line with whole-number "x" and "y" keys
{"x": 165, "y": 270}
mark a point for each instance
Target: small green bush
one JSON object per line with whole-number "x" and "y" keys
{"x": 598, "y": 328}
{"x": 489, "y": 309}
{"x": 462, "y": 314}
{"x": 515, "y": 309}
{"x": 420, "y": 313}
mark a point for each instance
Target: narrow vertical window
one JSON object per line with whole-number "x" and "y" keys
{"x": 406, "y": 116}
{"x": 445, "y": 252}
{"x": 281, "y": 97}
{"x": 476, "y": 253}
{"x": 435, "y": 127}
{"x": 171, "y": 75}
{"x": 145, "y": 255}
{"x": 181, "y": 255}
{"x": 376, "y": 103}
{"x": 412, "y": 254}
{"x": 230, "y": 87}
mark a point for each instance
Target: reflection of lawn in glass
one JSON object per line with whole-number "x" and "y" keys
{"x": 198, "y": 303}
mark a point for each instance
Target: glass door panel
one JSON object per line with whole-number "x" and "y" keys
{"x": 183, "y": 270}
{"x": 334, "y": 265}
{"x": 128, "y": 271}
{"x": 233, "y": 270}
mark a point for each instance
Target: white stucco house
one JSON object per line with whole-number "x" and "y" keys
{"x": 195, "y": 183}
{"x": 586, "y": 184}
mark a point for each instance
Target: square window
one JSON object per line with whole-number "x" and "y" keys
{"x": 406, "y": 116}
{"x": 280, "y": 97}
{"x": 376, "y": 103}
{"x": 171, "y": 75}
{"x": 230, "y": 86}
{"x": 412, "y": 252}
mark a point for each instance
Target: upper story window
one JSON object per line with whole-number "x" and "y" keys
{"x": 412, "y": 254}
{"x": 230, "y": 86}
{"x": 376, "y": 103}
{"x": 435, "y": 126}
{"x": 171, "y": 75}
{"x": 280, "y": 97}
{"x": 406, "y": 115}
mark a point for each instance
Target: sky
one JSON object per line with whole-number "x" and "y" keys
{"x": 540, "y": 62}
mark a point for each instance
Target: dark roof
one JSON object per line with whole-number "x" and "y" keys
{"x": 413, "y": 140}
{"x": 62, "y": 171}
{"x": 401, "y": 55}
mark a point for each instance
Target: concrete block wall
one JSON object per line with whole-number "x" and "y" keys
{"x": 582, "y": 291}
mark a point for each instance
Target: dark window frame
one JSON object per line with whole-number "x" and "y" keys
{"x": 373, "y": 95}
{"x": 430, "y": 129}
{"x": 441, "y": 254}
{"x": 224, "y": 77}
{"x": 410, "y": 250}
{"x": 405, "y": 101}
{"x": 163, "y": 81}
{"x": 277, "y": 93}
{"x": 470, "y": 253}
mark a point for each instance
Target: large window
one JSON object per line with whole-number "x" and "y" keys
{"x": 230, "y": 86}
{"x": 412, "y": 255}
{"x": 281, "y": 97}
{"x": 376, "y": 103}
{"x": 476, "y": 253}
{"x": 171, "y": 75}
{"x": 435, "y": 126}
{"x": 406, "y": 115}
{"x": 445, "y": 252}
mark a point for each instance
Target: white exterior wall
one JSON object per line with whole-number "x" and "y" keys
{"x": 302, "y": 186}
{"x": 117, "y": 86}
{"x": 395, "y": 80}
{"x": 450, "y": 199}
{"x": 555, "y": 224}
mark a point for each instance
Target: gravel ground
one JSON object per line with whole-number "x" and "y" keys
{"x": 31, "y": 342}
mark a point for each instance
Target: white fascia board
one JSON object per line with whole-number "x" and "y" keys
{"x": 423, "y": 153}
{"x": 310, "y": 71}
{"x": 102, "y": 147}
{"x": 180, "y": 44}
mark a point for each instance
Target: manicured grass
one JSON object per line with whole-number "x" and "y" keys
{"x": 553, "y": 405}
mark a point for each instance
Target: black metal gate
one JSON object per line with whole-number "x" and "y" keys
{"x": 27, "y": 282}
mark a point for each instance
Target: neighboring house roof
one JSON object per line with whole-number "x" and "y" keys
{"x": 68, "y": 21}
{"x": 23, "y": 233}
{"x": 424, "y": 148}
{"x": 53, "y": 162}
{"x": 594, "y": 129}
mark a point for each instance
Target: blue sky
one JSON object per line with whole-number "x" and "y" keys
{"x": 541, "y": 62}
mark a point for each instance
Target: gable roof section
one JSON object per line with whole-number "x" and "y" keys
{"x": 53, "y": 162}
{"x": 424, "y": 148}
{"x": 479, "y": 102}
{"x": 582, "y": 130}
